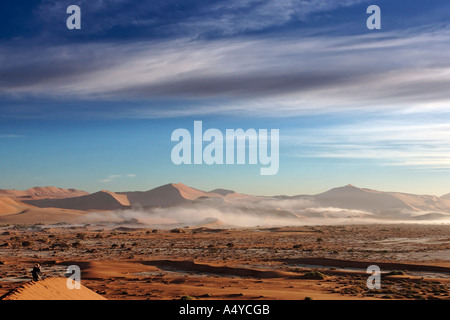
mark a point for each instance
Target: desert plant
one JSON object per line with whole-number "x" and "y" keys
{"x": 26, "y": 244}
{"x": 396, "y": 273}
{"x": 317, "y": 275}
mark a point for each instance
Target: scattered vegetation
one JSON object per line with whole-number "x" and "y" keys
{"x": 396, "y": 273}
{"x": 76, "y": 244}
{"x": 26, "y": 243}
{"x": 316, "y": 275}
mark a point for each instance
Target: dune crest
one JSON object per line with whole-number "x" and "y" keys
{"x": 191, "y": 193}
{"x": 165, "y": 196}
{"x": 102, "y": 200}
{"x": 121, "y": 198}
{"x": 51, "y": 289}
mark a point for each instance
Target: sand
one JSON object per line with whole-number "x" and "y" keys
{"x": 191, "y": 193}
{"x": 339, "y": 203}
{"x": 102, "y": 200}
{"x": 30, "y": 215}
{"x": 172, "y": 256}
{"x": 243, "y": 263}
{"x": 9, "y": 206}
{"x": 41, "y": 193}
{"x": 166, "y": 195}
{"x": 51, "y": 289}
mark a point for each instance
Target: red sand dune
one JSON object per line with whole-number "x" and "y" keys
{"x": 51, "y": 289}
{"x": 42, "y": 192}
{"x": 9, "y": 206}
{"x": 33, "y": 215}
{"x": 102, "y": 200}
{"x": 167, "y": 195}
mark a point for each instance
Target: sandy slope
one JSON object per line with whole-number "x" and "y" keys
{"x": 166, "y": 195}
{"x": 262, "y": 263}
{"x": 102, "y": 200}
{"x": 17, "y": 212}
{"x": 446, "y": 196}
{"x": 9, "y": 206}
{"x": 42, "y": 192}
{"x": 121, "y": 198}
{"x": 32, "y": 215}
{"x": 351, "y": 197}
{"x": 52, "y": 289}
{"x": 191, "y": 193}
{"x": 423, "y": 202}
{"x": 336, "y": 203}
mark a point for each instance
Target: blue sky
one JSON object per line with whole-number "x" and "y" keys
{"x": 94, "y": 108}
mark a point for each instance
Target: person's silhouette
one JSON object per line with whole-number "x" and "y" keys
{"x": 36, "y": 272}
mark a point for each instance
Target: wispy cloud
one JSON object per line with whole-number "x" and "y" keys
{"x": 190, "y": 19}
{"x": 113, "y": 177}
{"x": 11, "y": 136}
{"x": 396, "y": 143}
{"x": 240, "y": 16}
{"x": 402, "y": 72}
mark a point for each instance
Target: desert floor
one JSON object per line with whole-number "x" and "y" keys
{"x": 319, "y": 262}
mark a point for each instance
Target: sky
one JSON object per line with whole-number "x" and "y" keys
{"x": 95, "y": 108}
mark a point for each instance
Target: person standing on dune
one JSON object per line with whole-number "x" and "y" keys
{"x": 36, "y": 272}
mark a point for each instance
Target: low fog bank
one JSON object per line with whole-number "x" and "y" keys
{"x": 263, "y": 212}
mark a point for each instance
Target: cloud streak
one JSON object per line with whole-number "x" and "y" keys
{"x": 382, "y": 72}
{"x": 11, "y": 136}
{"x": 402, "y": 142}
{"x": 190, "y": 19}
{"x": 113, "y": 177}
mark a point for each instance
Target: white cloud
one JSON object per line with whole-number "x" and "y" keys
{"x": 396, "y": 142}
{"x": 113, "y": 177}
{"x": 219, "y": 17}
{"x": 11, "y": 136}
{"x": 237, "y": 16}
{"x": 387, "y": 72}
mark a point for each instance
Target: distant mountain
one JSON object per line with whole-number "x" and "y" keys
{"x": 447, "y": 196}
{"x": 166, "y": 195}
{"x": 42, "y": 192}
{"x": 102, "y": 200}
{"x": 163, "y": 196}
{"x": 342, "y": 202}
{"x": 351, "y": 197}
{"x": 423, "y": 202}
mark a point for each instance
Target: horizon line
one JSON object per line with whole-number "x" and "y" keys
{"x": 210, "y": 191}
